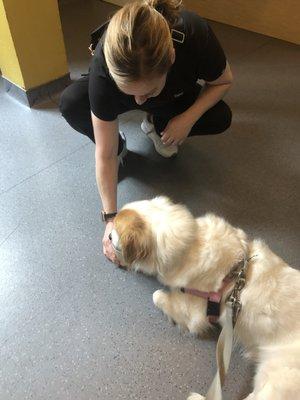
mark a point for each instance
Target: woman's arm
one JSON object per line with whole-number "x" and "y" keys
{"x": 211, "y": 94}
{"x": 106, "y": 159}
{"x": 179, "y": 127}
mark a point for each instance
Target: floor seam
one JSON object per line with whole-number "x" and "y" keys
{"x": 256, "y": 49}
{"x": 10, "y": 234}
{"x": 43, "y": 169}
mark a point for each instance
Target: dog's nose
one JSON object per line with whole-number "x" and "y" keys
{"x": 109, "y": 237}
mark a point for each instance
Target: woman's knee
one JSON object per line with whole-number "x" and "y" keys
{"x": 74, "y": 99}
{"x": 67, "y": 103}
{"x": 74, "y": 106}
{"x": 227, "y": 119}
{"x": 223, "y": 118}
{"x": 215, "y": 121}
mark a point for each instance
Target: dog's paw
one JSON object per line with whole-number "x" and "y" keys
{"x": 195, "y": 396}
{"x": 159, "y": 297}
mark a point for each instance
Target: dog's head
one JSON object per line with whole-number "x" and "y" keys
{"x": 151, "y": 235}
{"x": 131, "y": 237}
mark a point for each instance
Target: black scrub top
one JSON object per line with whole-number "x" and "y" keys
{"x": 199, "y": 55}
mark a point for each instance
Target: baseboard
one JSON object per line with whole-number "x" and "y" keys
{"x": 117, "y": 2}
{"x": 38, "y": 94}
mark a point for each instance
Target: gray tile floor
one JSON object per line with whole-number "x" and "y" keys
{"x": 71, "y": 325}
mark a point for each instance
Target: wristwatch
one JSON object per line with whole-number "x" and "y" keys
{"x": 107, "y": 216}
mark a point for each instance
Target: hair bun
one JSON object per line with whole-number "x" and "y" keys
{"x": 168, "y": 8}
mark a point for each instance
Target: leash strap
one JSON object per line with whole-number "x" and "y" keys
{"x": 223, "y": 355}
{"x": 225, "y": 342}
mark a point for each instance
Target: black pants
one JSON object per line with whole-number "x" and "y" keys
{"x": 75, "y": 108}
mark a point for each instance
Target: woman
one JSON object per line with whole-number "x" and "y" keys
{"x": 150, "y": 57}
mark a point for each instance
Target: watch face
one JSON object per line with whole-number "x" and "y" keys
{"x": 107, "y": 216}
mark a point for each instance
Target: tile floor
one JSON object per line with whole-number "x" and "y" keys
{"x": 71, "y": 325}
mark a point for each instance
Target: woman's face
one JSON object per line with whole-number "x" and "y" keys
{"x": 144, "y": 89}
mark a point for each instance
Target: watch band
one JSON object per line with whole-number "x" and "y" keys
{"x": 107, "y": 216}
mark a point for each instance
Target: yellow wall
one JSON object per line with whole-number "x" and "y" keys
{"x": 9, "y": 63}
{"x": 36, "y": 33}
{"x": 276, "y": 18}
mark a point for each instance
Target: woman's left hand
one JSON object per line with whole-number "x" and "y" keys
{"x": 176, "y": 131}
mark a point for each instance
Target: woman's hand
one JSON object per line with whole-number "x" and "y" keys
{"x": 107, "y": 246}
{"x": 177, "y": 130}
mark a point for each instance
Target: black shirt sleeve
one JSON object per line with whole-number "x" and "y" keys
{"x": 206, "y": 50}
{"x": 101, "y": 92}
{"x": 214, "y": 60}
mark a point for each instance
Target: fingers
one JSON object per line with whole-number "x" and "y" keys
{"x": 107, "y": 246}
{"x": 171, "y": 141}
{"x": 164, "y": 137}
{"x": 111, "y": 257}
{"x": 109, "y": 252}
{"x": 167, "y": 139}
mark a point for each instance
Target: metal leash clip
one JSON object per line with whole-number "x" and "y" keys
{"x": 234, "y": 297}
{"x": 236, "y": 307}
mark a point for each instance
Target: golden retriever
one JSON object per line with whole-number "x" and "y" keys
{"x": 161, "y": 238}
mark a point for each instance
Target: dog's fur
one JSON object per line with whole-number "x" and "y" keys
{"x": 163, "y": 239}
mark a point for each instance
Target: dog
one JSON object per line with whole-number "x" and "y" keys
{"x": 160, "y": 238}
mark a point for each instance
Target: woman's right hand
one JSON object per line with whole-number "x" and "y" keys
{"x": 107, "y": 246}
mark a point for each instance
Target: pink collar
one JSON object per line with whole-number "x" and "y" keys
{"x": 214, "y": 298}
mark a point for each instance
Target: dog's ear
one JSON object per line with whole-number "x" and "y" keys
{"x": 135, "y": 247}
{"x": 135, "y": 236}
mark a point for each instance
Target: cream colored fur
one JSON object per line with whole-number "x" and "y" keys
{"x": 198, "y": 253}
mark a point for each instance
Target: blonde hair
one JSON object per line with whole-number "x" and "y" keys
{"x": 138, "y": 43}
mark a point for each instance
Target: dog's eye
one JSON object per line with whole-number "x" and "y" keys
{"x": 109, "y": 237}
